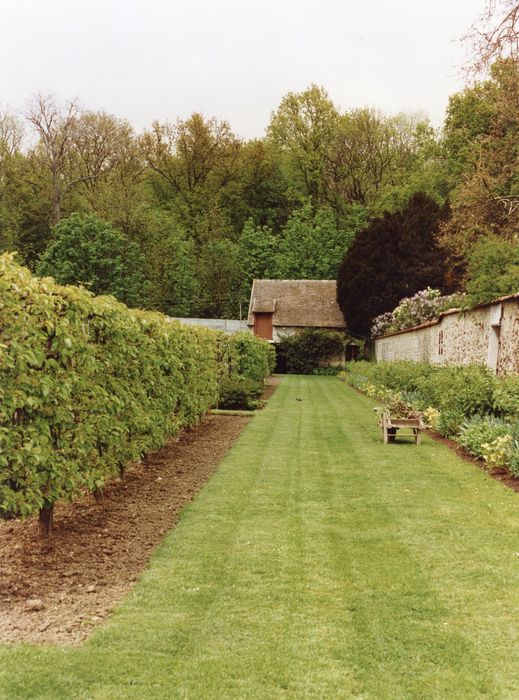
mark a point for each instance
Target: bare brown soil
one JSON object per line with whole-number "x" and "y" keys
{"x": 502, "y": 475}
{"x": 270, "y": 387}
{"x": 57, "y": 590}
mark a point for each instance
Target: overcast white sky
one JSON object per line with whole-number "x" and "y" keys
{"x": 162, "y": 59}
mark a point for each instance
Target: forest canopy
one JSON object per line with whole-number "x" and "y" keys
{"x": 183, "y": 216}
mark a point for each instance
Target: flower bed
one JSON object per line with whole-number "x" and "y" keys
{"x": 468, "y": 404}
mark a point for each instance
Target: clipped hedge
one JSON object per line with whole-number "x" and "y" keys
{"x": 244, "y": 355}
{"x": 88, "y": 385}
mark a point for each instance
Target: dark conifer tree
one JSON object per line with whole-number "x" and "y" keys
{"x": 395, "y": 256}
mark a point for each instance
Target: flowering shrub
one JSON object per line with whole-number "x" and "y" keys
{"x": 431, "y": 416}
{"x": 412, "y": 311}
{"x": 497, "y": 452}
{"x": 383, "y": 324}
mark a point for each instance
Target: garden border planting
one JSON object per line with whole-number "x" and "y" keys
{"x": 468, "y": 405}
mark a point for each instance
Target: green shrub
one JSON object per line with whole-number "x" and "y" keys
{"x": 506, "y": 396}
{"x": 402, "y": 376}
{"x": 449, "y": 422}
{"x": 251, "y": 357}
{"x": 88, "y": 385}
{"x": 465, "y": 391}
{"x": 235, "y": 393}
{"x": 478, "y": 430}
{"x": 513, "y": 464}
{"x": 305, "y": 351}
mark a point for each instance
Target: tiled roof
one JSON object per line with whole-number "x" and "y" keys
{"x": 303, "y": 303}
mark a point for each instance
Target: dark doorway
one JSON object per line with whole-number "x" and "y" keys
{"x": 351, "y": 352}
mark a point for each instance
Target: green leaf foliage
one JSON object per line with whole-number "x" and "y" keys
{"x": 89, "y": 385}
{"x": 304, "y": 352}
{"x": 313, "y": 244}
{"x": 493, "y": 269}
{"x": 86, "y": 250}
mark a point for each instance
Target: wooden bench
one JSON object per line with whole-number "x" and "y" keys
{"x": 390, "y": 426}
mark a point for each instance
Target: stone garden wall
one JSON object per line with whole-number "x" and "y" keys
{"x": 488, "y": 334}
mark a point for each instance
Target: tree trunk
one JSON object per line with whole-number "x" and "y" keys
{"x": 98, "y": 495}
{"x": 46, "y": 519}
{"x": 56, "y": 208}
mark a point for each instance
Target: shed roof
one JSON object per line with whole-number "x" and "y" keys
{"x": 302, "y": 303}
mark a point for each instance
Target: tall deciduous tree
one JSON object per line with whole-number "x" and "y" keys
{"x": 494, "y": 35}
{"x": 194, "y": 161}
{"x": 493, "y": 269}
{"x": 258, "y": 248}
{"x": 312, "y": 244}
{"x": 170, "y": 266}
{"x": 54, "y": 125}
{"x": 303, "y": 128}
{"x": 109, "y": 170}
{"x": 220, "y": 278}
{"x": 485, "y": 136}
{"x": 86, "y": 250}
{"x": 370, "y": 152}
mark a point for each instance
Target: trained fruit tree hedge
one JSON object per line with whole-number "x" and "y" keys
{"x": 241, "y": 355}
{"x": 87, "y": 385}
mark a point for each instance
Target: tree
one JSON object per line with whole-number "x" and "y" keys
{"x": 220, "y": 278}
{"x": 86, "y": 250}
{"x": 493, "y": 269}
{"x": 303, "y": 128}
{"x": 24, "y": 208}
{"x": 260, "y": 189}
{"x": 493, "y": 36}
{"x": 193, "y": 161}
{"x": 170, "y": 266}
{"x": 312, "y": 244}
{"x": 12, "y": 134}
{"x": 257, "y": 251}
{"x": 395, "y": 256}
{"x": 370, "y": 152}
{"x": 11, "y": 163}
{"x": 54, "y": 125}
{"x": 486, "y": 200}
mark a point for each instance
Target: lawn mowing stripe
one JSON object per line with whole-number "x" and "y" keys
{"x": 392, "y": 587}
{"x": 317, "y": 562}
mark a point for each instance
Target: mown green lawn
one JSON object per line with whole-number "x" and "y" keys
{"x": 316, "y": 563}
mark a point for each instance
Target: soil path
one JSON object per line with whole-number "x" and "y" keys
{"x": 56, "y": 591}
